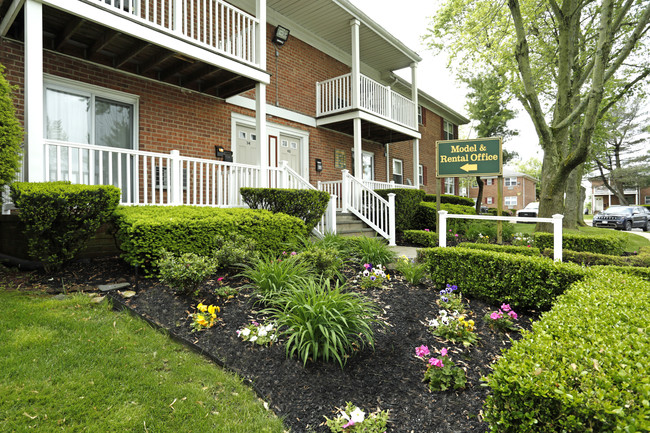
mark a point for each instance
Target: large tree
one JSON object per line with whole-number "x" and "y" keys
{"x": 487, "y": 104}
{"x": 11, "y": 135}
{"x": 567, "y": 63}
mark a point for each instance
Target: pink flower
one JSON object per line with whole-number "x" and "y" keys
{"x": 293, "y": 253}
{"x": 443, "y": 351}
{"x": 496, "y": 315}
{"x": 427, "y": 230}
{"x": 422, "y": 351}
{"x": 506, "y": 307}
{"x": 349, "y": 424}
{"x": 220, "y": 279}
{"x": 435, "y": 362}
{"x": 512, "y": 314}
{"x": 456, "y": 235}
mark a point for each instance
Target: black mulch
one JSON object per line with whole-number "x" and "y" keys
{"x": 388, "y": 377}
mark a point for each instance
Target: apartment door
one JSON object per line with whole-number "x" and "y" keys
{"x": 368, "y": 166}
{"x": 290, "y": 150}
{"x": 247, "y": 146}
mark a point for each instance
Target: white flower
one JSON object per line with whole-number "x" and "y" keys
{"x": 434, "y": 323}
{"x": 262, "y": 332}
{"x": 246, "y": 332}
{"x": 442, "y": 313}
{"x": 253, "y": 338}
{"x": 357, "y": 415}
{"x": 269, "y": 327}
{"x": 366, "y": 273}
{"x": 445, "y": 320}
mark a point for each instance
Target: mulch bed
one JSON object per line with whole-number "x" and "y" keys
{"x": 388, "y": 377}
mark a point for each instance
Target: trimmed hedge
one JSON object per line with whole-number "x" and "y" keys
{"x": 504, "y": 212}
{"x": 60, "y": 218}
{"x": 427, "y": 215}
{"x": 451, "y": 199}
{"x": 144, "y": 231}
{"x": 643, "y": 273}
{"x": 307, "y": 204}
{"x": 606, "y": 244}
{"x": 583, "y": 368}
{"x": 522, "y": 281}
{"x": 421, "y": 237}
{"x": 510, "y": 249}
{"x": 593, "y": 259}
{"x": 406, "y": 206}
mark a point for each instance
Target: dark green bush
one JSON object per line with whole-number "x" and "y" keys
{"x": 600, "y": 244}
{"x": 60, "y": 218}
{"x": 406, "y": 205}
{"x": 427, "y": 215}
{"x": 504, "y": 212}
{"x": 476, "y": 228}
{"x": 637, "y": 271}
{"x": 185, "y": 273}
{"x": 327, "y": 262}
{"x": 450, "y": 199}
{"x": 234, "y": 249}
{"x": 307, "y": 204}
{"x": 590, "y": 259}
{"x": 421, "y": 237}
{"x": 11, "y": 134}
{"x": 144, "y": 230}
{"x": 583, "y": 368}
{"x": 510, "y": 249}
{"x": 518, "y": 280}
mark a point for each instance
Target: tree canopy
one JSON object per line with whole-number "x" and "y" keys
{"x": 11, "y": 135}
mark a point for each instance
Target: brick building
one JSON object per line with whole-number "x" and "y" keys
{"x": 602, "y": 197}
{"x": 518, "y": 190}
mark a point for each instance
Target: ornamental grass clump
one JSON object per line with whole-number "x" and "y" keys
{"x": 502, "y": 319}
{"x": 270, "y": 277}
{"x": 442, "y": 374}
{"x": 185, "y": 273}
{"x": 353, "y": 420}
{"x": 373, "y": 250}
{"x": 411, "y": 271}
{"x": 205, "y": 317}
{"x": 322, "y": 322}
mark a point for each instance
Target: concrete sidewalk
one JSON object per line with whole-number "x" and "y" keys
{"x": 410, "y": 252}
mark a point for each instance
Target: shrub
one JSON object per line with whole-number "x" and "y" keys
{"x": 327, "y": 262}
{"x": 583, "y": 368}
{"x": 406, "y": 204}
{"x": 477, "y": 229}
{"x": 185, "y": 273}
{"x": 527, "y": 251}
{"x": 504, "y": 212}
{"x": 600, "y": 244}
{"x": 144, "y": 230}
{"x": 307, "y": 204}
{"x": 60, "y": 218}
{"x": 592, "y": 259}
{"x": 373, "y": 250}
{"x": 272, "y": 276}
{"x": 234, "y": 249}
{"x": 11, "y": 134}
{"x": 521, "y": 281}
{"x": 326, "y": 323}
{"x": 451, "y": 199}
{"x": 427, "y": 216}
{"x": 421, "y": 237}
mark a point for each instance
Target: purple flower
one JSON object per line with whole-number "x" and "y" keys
{"x": 443, "y": 292}
{"x": 444, "y": 299}
{"x": 373, "y": 278}
{"x": 422, "y": 351}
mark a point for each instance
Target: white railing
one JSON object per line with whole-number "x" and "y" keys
{"x": 374, "y": 184}
{"x": 334, "y": 187}
{"x": 556, "y": 220}
{"x": 335, "y": 95}
{"x": 213, "y": 24}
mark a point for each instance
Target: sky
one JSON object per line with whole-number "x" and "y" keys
{"x": 408, "y": 20}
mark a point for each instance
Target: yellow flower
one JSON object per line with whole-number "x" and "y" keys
{"x": 211, "y": 309}
{"x": 471, "y": 322}
{"x": 461, "y": 319}
{"x": 388, "y": 277}
{"x": 201, "y": 307}
{"x": 214, "y": 316}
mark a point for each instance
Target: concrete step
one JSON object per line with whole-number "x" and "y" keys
{"x": 348, "y": 224}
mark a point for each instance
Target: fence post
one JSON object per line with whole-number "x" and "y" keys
{"x": 345, "y": 191}
{"x": 331, "y": 209}
{"x": 557, "y": 237}
{"x": 176, "y": 187}
{"x": 442, "y": 228}
{"x": 391, "y": 220}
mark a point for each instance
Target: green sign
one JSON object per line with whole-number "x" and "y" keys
{"x": 476, "y": 157}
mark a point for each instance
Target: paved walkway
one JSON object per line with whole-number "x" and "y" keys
{"x": 409, "y": 252}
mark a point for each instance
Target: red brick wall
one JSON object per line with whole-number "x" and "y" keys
{"x": 524, "y": 191}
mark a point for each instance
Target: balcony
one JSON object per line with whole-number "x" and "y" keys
{"x": 387, "y": 115}
{"x": 208, "y": 46}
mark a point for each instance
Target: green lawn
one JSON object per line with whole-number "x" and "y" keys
{"x": 72, "y": 366}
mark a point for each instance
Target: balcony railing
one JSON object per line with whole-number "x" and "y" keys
{"x": 212, "y": 24}
{"x": 335, "y": 96}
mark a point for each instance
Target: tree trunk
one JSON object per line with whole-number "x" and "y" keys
{"x": 553, "y": 186}
{"x": 479, "y": 196}
{"x": 581, "y": 213}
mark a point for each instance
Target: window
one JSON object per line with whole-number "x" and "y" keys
{"x": 398, "y": 175}
{"x": 420, "y": 175}
{"x": 488, "y": 200}
{"x": 510, "y": 181}
{"x": 474, "y": 183}
{"x": 420, "y": 115}
{"x": 448, "y": 130}
{"x": 449, "y": 185}
{"x": 489, "y": 181}
{"x": 647, "y": 199}
{"x": 511, "y": 201}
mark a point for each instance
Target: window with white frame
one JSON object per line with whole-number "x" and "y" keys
{"x": 420, "y": 175}
{"x": 420, "y": 115}
{"x": 474, "y": 183}
{"x": 510, "y": 181}
{"x": 488, "y": 200}
{"x": 489, "y": 181}
{"x": 449, "y": 185}
{"x": 448, "y": 130}
{"x": 647, "y": 199}
{"x": 398, "y": 171}
{"x": 510, "y": 200}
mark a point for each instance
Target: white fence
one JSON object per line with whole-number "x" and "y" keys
{"x": 213, "y": 24}
{"x": 556, "y": 220}
{"x": 335, "y": 95}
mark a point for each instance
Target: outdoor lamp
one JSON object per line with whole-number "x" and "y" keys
{"x": 281, "y": 35}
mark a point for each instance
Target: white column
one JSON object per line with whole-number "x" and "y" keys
{"x": 392, "y": 234}
{"x": 355, "y": 64}
{"x": 358, "y": 152}
{"x": 34, "y": 148}
{"x": 176, "y": 187}
{"x": 260, "y": 43}
{"x": 416, "y": 142}
{"x": 262, "y": 136}
{"x": 442, "y": 227}
{"x": 557, "y": 237}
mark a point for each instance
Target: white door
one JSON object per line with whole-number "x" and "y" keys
{"x": 247, "y": 150}
{"x": 368, "y": 166}
{"x": 598, "y": 204}
{"x": 290, "y": 151}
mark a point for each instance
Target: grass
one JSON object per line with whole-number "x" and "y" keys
{"x": 632, "y": 241}
{"x": 71, "y": 365}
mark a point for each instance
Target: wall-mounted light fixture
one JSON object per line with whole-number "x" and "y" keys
{"x": 281, "y": 35}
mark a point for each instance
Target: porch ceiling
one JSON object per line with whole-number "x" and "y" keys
{"x": 369, "y": 131}
{"x": 74, "y": 36}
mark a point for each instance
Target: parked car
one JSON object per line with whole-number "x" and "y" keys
{"x": 623, "y": 218}
{"x": 531, "y": 210}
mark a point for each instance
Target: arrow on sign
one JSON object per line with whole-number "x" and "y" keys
{"x": 469, "y": 167}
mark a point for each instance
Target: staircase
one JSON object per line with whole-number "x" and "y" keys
{"x": 347, "y": 224}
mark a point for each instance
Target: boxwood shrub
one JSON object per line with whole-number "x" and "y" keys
{"x": 421, "y": 237}
{"x": 451, "y": 199}
{"x": 60, "y": 218}
{"x": 144, "y": 231}
{"x": 593, "y": 259}
{"x": 497, "y": 277}
{"x": 583, "y": 368}
{"x": 600, "y": 244}
{"x": 307, "y": 204}
{"x": 510, "y": 249}
{"x": 637, "y": 271}
{"x": 427, "y": 215}
{"x": 406, "y": 206}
